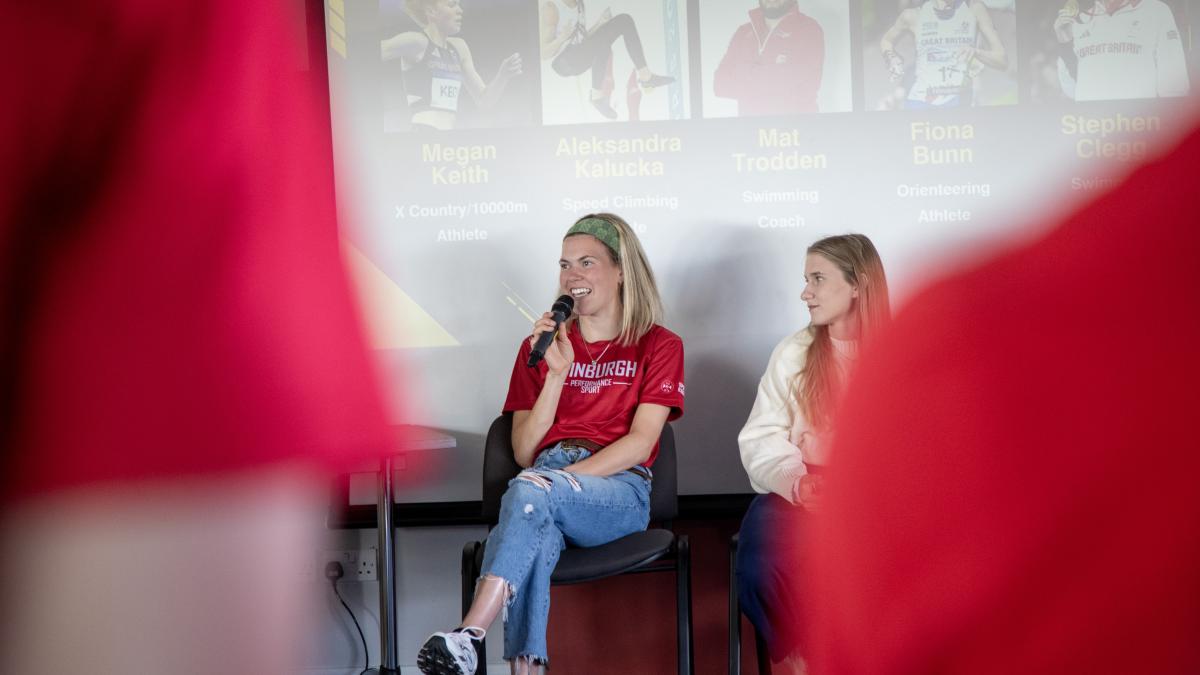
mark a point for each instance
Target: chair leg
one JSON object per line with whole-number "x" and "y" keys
{"x": 735, "y": 612}
{"x": 735, "y": 623}
{"x": 468, "y": 575}
{"x": 683, "y": 603}
{"x": 472, "y": 561}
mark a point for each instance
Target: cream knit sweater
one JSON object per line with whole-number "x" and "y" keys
{"x": 776, "y": 440}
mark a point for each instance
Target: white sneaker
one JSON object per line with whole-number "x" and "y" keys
{"x": 450, "y": 653}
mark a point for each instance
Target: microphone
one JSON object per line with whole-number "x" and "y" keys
{"x": 559, "y": 312}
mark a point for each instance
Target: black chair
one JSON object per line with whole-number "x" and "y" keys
{"x": 735, "y": 623}
{"x": 655, "y": 549}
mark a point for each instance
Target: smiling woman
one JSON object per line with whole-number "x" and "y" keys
{"x": 586, "y": 424}
{"x": 785, "y": 443}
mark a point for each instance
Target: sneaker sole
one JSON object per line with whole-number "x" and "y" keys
{"x": 435, "y": 659}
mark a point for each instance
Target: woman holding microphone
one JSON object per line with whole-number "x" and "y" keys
{"x": 586, "y": 424}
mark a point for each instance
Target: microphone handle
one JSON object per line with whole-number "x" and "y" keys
{"x": 543, "y": 342}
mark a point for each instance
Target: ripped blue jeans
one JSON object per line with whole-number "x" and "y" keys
{"x": 544, "y": 509}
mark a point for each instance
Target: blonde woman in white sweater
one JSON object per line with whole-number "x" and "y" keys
{"x": 785, "y": 443}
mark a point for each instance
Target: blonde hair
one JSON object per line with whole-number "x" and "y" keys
{"x": 641, "y": 306}
{"x": 417, "y": 8}
{"x": 818, "y": 384}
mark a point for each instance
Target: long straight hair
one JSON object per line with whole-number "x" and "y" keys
{"x": 641, "y": 306}
{"x": 819, "y": 382}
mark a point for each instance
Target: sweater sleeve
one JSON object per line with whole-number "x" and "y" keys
{"x": 771, "y": 460}
{"x": 1169, "y": 56}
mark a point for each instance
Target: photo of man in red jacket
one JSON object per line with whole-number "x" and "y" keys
{"x": 774, "y": 62}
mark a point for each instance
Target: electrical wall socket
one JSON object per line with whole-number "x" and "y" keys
{"x": 365, "y": 571}
{"x": 348, "y": 559}
{"x": 307, "y": 570}
{"x": 357, "y": 565}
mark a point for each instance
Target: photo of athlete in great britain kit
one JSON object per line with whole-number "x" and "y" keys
{"x": 939, "y": 53}
{"x": 445, "y": 66}
{"x": 1120, "y": 49}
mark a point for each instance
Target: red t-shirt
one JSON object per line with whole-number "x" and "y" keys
{"x": 598, "y": 400}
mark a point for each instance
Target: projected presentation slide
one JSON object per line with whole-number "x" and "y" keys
{"x": 774, "y": 58}
{"x": 1103, "y": 51}
{"x": 939, "y": 54}
{"x": 731, "y": 134}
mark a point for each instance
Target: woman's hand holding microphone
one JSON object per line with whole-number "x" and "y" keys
{"x": 560, "y": 354}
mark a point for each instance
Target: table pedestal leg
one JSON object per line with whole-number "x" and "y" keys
{"x": 386, "y": 562}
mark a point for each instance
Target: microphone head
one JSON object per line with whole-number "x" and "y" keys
{"x": 564, "y": 304}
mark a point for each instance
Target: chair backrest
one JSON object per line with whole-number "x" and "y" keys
{"x": 499, "y": 467}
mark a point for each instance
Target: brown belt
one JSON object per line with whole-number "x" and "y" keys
{"x": 592, "y": 446}
{"x": 641, "y": 471}
{"x": 583, "y": 443}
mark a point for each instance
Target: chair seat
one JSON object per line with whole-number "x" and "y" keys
{"x": 657, "y": 550}
{"x": 576, "y": 565}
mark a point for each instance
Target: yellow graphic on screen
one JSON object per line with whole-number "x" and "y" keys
{"x": 393, "y": 320}
{"x": 513, "y": 299}
{"x": 337, "y": 27}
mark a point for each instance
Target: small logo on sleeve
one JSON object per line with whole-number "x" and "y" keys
{"x": 666, "y": 386}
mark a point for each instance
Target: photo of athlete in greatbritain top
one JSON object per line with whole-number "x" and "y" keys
{"x": 1120, "y": 49}
{"x": 436, "y": 65}
{"x": 581, "y": 60}
{"x": 954, "y": 45}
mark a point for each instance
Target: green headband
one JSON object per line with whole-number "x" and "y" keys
{"x": 600, "y": 229}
